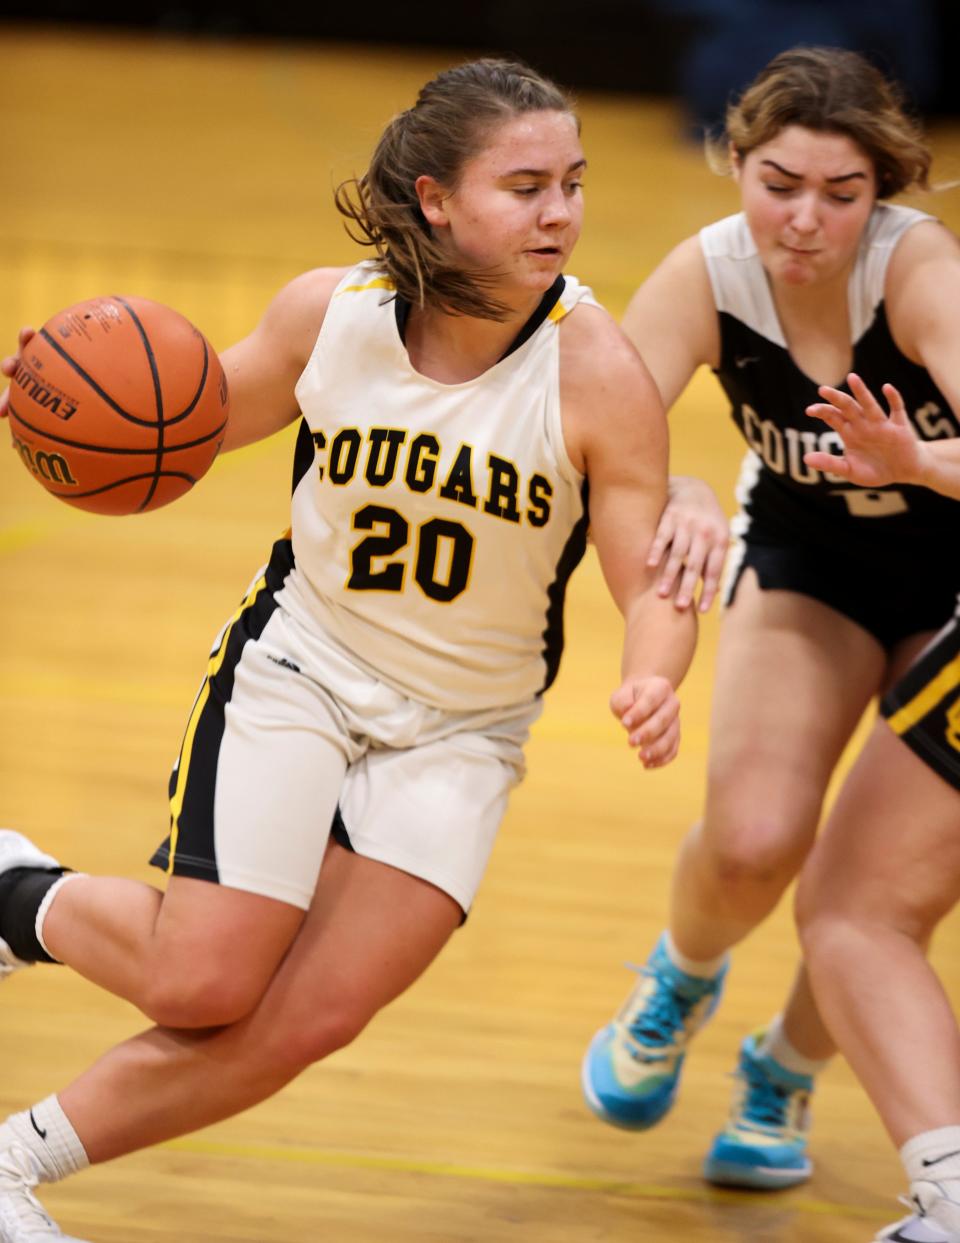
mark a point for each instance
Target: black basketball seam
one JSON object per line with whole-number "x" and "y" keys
{"x": 124, "y": 414}
{"x": 117, "y": 483}
{"x": 108, "y": 449}
{"x": 199, "y": 393}
{"x": 158, "y": 393}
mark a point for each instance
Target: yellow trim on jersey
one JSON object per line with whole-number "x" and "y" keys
{"x": 379, "y": 282}
{"x": 558, "y": 311}
{"x": 924, "y": 701}
{"x": 213, "y": 668}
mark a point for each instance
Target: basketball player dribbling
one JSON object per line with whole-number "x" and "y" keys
{"x": 458, "y": 395}
{"x": 833, "y": 588}
{"x": 886, "y": 868}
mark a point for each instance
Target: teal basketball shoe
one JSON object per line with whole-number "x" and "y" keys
{"x": 764, "y": 1143}
{"x": 631, "y": 1070}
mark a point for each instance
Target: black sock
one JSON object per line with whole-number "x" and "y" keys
{"x": 21, "y": 892}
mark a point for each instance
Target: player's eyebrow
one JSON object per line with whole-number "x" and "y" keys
{"x": 799, "y": 176}
{"x": 577, "y": 166}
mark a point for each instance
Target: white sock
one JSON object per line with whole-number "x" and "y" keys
{"x": 776, "y": 1045}
{"x": 934, "y": 1157}
{"x": 41, "y": 1144}
{"x": 692, "y": 966}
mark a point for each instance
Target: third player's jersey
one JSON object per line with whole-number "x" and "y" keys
{"x": 781, "y": 497}
{"x": 435, "y": 525}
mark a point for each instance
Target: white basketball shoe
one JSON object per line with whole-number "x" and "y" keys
{"x": 22, "y": 1217}
{"x": 17, "y": 851}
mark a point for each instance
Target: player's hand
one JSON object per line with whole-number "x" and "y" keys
{"x": 691, "y": 541}
{"x": 878, "y": 447}
{"x": 9, "y": 366}
{"x": 648, "y": 709}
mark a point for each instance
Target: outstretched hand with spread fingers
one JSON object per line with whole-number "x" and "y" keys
{"x": 878, "y": 447}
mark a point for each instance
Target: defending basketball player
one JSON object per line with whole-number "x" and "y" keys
{"x": 457, "y": 394}
{"x": 833, "y": 588}
{"x": 886, "y": 868}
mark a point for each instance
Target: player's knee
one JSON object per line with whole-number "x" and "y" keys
{"x": 758, "y": 854}
{"x": 336, "y": 1023}
{"x": 195, "y": 999}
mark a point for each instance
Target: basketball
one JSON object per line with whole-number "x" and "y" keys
{"x": 118, "y": 406}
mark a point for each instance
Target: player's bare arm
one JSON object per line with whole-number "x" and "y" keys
{"x": 617, "y": 435}
{"x": 880, "y": 443}
{"x": 672, "y": 322}
{"x": 262, "y": 370}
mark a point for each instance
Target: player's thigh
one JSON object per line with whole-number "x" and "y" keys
{"x": 890, "y": 850}
{"x": 255, "y": 795}
{"x": 793, "y": 676}
{"x": 370, "y": 933}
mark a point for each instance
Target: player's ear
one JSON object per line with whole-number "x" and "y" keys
{"x": 736, "y": 162}
{"x": 432, "y": 197}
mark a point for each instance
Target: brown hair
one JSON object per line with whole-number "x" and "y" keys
{"x": 445, "y": 128}
{"x": 831, "y": 90}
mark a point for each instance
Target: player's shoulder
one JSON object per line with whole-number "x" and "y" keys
{"x": 296, "y": 313}
{"x": 592, "y": 344}
{"x": 924, "y": 266}
{"x": 928, "y": 238}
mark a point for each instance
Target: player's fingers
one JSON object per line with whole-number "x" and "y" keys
{"x": 895, "y": 403}
{"x": 870, "y": 408}
{"x": 829, "y": 463}
{"x": 676, "y": 559}
{"x": 692, "y": 570}
{"x": 648, "y": 697}
{"x": 828, "y": 414}
{"x": 664, "y": 749}
{"x": 711, "y": 576}
{"x": 655, "y": 724}
{"x": 661, "y": 540}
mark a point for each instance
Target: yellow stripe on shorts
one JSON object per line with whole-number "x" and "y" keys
{"x": 947, "y": 680}
{"x": 213, "y": 668}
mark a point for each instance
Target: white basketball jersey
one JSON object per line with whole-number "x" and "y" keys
{"x": 435, "y": 530}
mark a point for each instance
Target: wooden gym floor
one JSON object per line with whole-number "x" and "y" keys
{"x": 200, "y": 174}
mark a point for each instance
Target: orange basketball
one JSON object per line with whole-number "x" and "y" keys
{"x": 119, "y": 405}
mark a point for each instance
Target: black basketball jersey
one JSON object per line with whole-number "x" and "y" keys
{"x": 781, "y": 498}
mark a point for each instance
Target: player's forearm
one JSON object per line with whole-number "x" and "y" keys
{"x": 659, "y": 639}
{"x": 939, "y": 467}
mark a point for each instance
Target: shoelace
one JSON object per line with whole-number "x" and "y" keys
{"x": 765, "y": 1103}
{"x": 664, "y": 1013}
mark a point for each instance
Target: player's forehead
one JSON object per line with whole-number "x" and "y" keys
{"x": 813, "y": 154}
{"x": 547, "y": 140}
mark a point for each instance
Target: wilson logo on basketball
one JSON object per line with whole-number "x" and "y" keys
{"x": 51, "y": 466}
{"x": 45, "y": 395}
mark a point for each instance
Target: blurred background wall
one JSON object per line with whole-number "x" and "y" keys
{"x": 694, "y": 49}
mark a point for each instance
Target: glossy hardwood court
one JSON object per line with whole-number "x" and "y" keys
{"x": 200, "y": 174}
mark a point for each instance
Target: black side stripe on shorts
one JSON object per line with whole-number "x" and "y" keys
{"x": 191, "y": 798}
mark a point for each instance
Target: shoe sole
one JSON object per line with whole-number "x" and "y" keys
{"x": 755, "y": 1177}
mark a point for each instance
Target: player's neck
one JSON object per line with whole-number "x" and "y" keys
{"x": 457, "y": 348}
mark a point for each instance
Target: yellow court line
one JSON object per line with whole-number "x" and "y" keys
{"x": 490, "y": 1174}
{"x": 22, "y": 535}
